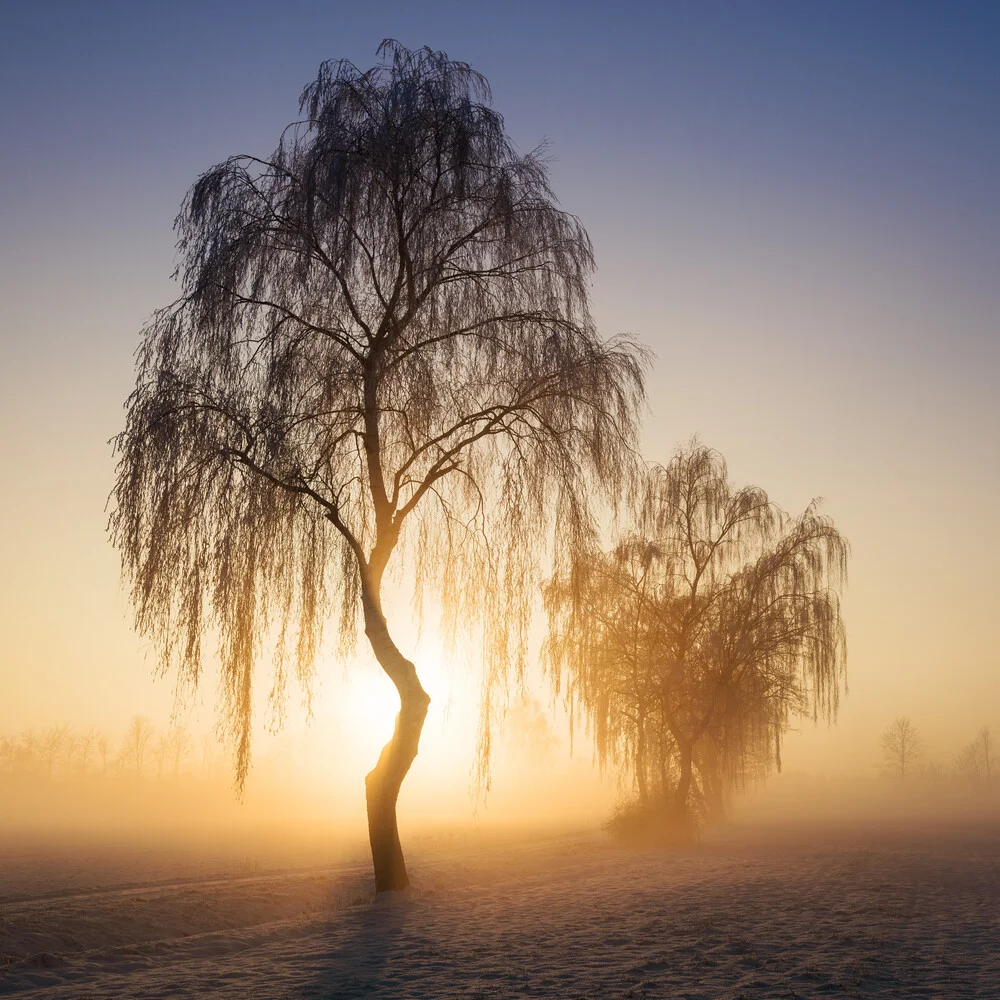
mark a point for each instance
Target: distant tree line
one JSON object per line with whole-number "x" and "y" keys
{"x": 904, "y": 755}
{"x": 141, "y": 752}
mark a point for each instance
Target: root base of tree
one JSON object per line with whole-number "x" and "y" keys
{"x": 653, "y": 825}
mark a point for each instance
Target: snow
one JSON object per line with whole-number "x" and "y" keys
{"x": 868, "y": 911}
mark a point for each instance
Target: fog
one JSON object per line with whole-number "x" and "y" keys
{"x": 294, "y": 796}
{"x": 171, "y": 884}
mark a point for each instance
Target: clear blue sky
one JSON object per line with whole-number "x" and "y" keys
{"x": 794, "y": 203}
{"x": 666, "y": 121}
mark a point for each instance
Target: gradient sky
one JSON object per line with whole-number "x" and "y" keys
{"x": 794, "y": 204}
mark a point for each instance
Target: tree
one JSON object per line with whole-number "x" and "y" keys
{"x": 975, "y": 761}
{"x": 985, "y": 743}
{"x": 208, "y": 742}
{"x": 528, "y": 732}
{"x": 383, "y": 344}
{"x": 161, "y": 752}
{"x": 181, "y": 747}
{"x": 28, "y": 752}
{"x": 53, "y": 743}
{"x": 85, "y": 748}
{"x": 691, "y": 645}
{"x": 136, "y": 743}
{"x": 103, "y": 746}
{"x": 902, "y": 746}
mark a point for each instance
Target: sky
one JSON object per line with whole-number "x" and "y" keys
{"x": 795, "y": 205}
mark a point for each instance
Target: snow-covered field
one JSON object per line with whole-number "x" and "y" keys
{"x": 855, "y": 911}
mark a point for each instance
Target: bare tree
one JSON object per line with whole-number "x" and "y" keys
{"x": 383, "y": 342}
{"x": 85, "y": 746}
{"x": 28, "y": 751}
{"x": 136, "y": 743}
{"x": 528, "y": 732}
{"x": 53, "y": 743}
{"x": 181, "y": 747}
{"x": 976, "y": 760}
{"x": 161, "y": 752}
{"x": 208, "y": 745}
{"x": 901, "y": 746}
{"x": 103, "y": 747}
{"x": 703, "y": 632}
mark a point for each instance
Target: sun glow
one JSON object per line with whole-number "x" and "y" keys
{"x": 372, "y": 701}
{"x": 362, "y": 707}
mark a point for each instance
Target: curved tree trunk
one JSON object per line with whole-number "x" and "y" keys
{"x": 383, "y": 782}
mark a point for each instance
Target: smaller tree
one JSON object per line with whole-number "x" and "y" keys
{"x": 694, "y": 642}
{"x": 52, "y": 745}
{"x": 208, "y": 744}
{"x": 84, "y": 749}
{"x": 137, "y": 739}
{"x": 28, "y": 752}
{"x": 103, "y": 747}
{"x": 902, "y": 747}
{"x": 976, "y": 761}
{"x": 985, "y": 742}
{"x": 161, "y": 752}
{"x": 180, "y": 747}
{"x": 529, "y": 734}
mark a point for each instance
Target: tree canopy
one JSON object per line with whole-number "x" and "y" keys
{"x": 383, "y": 341}
{"x": 902, "y": 746}
{"x": 691, "y": 644}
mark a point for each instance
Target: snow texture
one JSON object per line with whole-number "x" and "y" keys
{"x": 852, "y": 913}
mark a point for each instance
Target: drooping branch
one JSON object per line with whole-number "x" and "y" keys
{"x": 382, "y": 346}
{"x": 727, "y": 610}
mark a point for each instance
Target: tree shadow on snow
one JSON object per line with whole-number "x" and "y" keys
{"x": 374, "y": 949}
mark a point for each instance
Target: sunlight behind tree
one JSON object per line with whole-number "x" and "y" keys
{"x": 383, "y": 343}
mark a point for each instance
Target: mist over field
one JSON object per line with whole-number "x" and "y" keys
{"x": 881, "y": 891}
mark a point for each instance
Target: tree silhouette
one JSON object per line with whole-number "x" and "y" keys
{"x": 161, "y": 752}
{"x": 103, "y": 746}
{"x": 383, "y": 342}
{"x": 54, "y": 741}
{"x": 701, "y": 634}
{"x": 85, "y": 748}
{"x": 181, "y": 747}
{"x": 984, "y": 743}
{"x": 528, "y": 731}
{"x": 901, "y": 746}
{"x": 976, "y": 760}
{"x": 136, "y": 743}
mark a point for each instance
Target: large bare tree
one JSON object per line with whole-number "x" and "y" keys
{"x": 383, "y": 342}
{"x": 691, "y": 645}
{"x": 902, "y": 746}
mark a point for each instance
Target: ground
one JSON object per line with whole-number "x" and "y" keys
{"x": 853, "y": 911}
